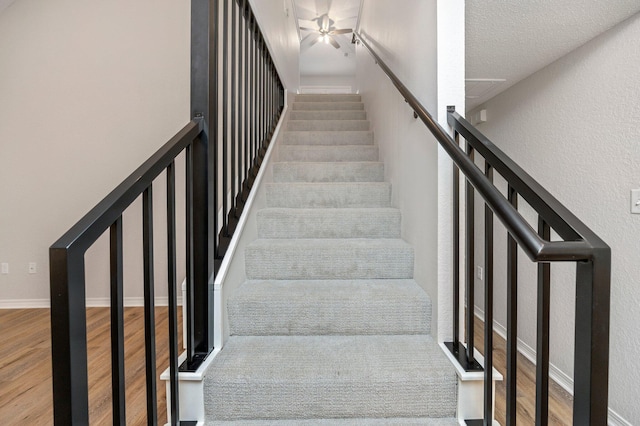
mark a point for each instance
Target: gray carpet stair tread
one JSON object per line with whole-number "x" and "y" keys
{"x": 331, "y": 153}
{"x": 324, "y": 106}
{"x": 329, "y": 223}
{"x": 307, "y": 377}
{"x": 331, "y": 307}
{"x": 319, "y": 259}
{"x": 328, "y": 125}
{"x": 347, "y": 171}
{"x": 326, "y": 195}
{"x": 328, "y": 137}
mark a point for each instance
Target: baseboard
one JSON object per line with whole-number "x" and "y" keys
{"x": 96, "y": 302}
{"x": 615, "y": 419}
{"x": 557, "y": 375}
{"x": 25, "y": 304}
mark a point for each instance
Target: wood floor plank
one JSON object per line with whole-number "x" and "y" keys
{"x": 25, "y": 365}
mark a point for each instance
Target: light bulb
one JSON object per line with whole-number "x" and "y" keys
{"x": 326, "y": 39}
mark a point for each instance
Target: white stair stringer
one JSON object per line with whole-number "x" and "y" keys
{"x": 330, "y": 328}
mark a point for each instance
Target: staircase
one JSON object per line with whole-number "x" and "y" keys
{"x": 330, "y": 327}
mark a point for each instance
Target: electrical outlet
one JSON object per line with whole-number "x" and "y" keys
{"x": 4, "y": 268}
{"x": 635, "y": 201}
{"x": 33, "y": 268}
{"x": 479, "y": 273}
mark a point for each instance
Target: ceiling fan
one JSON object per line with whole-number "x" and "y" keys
{"x": 322, "y": 27}
{"x": 326, "y": 31}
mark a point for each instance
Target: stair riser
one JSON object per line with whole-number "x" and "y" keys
{"x": 305, "y": 308}
{"x": 329, "y": 125}
{"x": 324, "y": 106}
{"x": 326, "y": 263}
{"x": 328, "y": 172}
{"x": 314, "y": 195}
{"x": 328, "y": 138}
{"x": 328, "y": 98}
{"x": 323, "y": 223}
{"x": 328, "y": 115}
{"x": 328, "y": 153}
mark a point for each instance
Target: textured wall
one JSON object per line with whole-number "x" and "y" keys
{"x": 575, "y": 127}
{"x": 89, "y": 91}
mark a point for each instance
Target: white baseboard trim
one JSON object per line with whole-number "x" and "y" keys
{"x": 557, "y": 375}
{"x": 25, "y": 304}
{"x": 95, "y": 302}
{"x": 615, "y": 419}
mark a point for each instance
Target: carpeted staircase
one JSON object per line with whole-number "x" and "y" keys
{"x": 330, "y": 327}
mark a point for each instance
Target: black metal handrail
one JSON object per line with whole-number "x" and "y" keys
{"x": 580, "y": 244}
{"x": 223, "y": 152}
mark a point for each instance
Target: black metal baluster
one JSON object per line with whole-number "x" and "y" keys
{"x": 260, "y": 98}
{"x": 234, "y": 106}
{"x": 190, "y": 294}
{"x": 225, "y": 122}
{"x": 247, "y": 137}
{"x": 149, "y": 307}
{"x": 117, "y": 324}
{"x": 512, "y": 320}
{"x": 242, "y": 119}
{"x": 488, "y": 307}
{"x": 252, "y": 80}
{"x": 542, "y": 334}
{"x": 173, "y": 408}
{"x": 214, "y": 133}
{"x": 470, "y": 262}
{"x": 456, "y": 251}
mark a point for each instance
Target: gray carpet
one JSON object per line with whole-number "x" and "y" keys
{"x": 330, "y": 328}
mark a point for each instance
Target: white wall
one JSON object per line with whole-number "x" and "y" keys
{"x": 575, "y": 127}
{"x": 89, "y": 90}
{"x": 278, "y": 25}
{"x": 406, "y": 146}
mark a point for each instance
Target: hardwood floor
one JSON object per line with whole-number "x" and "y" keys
{"x": 25, "y": 366}
{"x": 25, "y": 370}
{"x": 560, "y": 401}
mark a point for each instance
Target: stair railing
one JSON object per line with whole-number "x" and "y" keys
{"x": 579, "y": 244}
{"x": 223, "y": 150}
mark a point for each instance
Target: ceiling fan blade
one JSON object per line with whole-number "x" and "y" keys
{"x": 315, "y": 30}
{"x": 333, "y": 42}
{"x": 305, "y": 14}
{"x": 309, "y": 41}
{"x": 342, "y": 31}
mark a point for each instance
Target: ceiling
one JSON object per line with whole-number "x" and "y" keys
{"x": 506, "y": 41}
